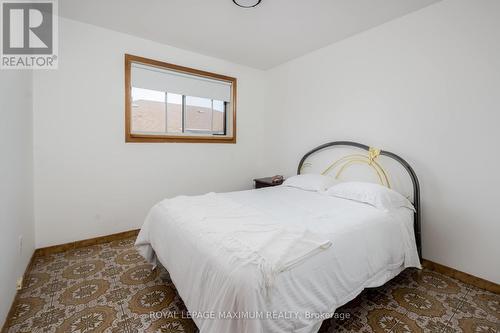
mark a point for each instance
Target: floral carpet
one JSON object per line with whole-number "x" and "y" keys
{"x": 110, "y": 288}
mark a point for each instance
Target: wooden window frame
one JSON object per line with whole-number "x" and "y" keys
{"x": 159, "y": 138}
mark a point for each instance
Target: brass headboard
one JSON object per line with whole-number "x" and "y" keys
{"x": 370, "y": 158}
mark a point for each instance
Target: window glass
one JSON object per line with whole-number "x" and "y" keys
{"x": 198, "y": 115}
{"x": 174, "y": 113}
{"x": 148, "y": 111}
{"x": 219, "y": 117}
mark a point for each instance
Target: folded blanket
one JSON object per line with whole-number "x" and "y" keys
{"x": 243, "y": 233}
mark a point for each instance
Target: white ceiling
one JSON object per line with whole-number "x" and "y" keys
{"x": 270, "y": 34}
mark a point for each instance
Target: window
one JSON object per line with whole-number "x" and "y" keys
{"x": 170, "y": 103}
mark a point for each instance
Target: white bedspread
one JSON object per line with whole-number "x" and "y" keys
{"x": 241, "y": 233}
{"x": 214, "y": 267}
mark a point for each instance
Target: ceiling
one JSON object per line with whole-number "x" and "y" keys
{"x": 262, "y": 37}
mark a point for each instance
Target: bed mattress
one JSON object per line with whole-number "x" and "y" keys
{"x": 369, "y": 247}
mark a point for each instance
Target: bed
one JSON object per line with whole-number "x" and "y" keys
{"x": 282, "y": 259}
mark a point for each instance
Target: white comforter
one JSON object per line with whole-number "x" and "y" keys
{"x": 369, "y": 248}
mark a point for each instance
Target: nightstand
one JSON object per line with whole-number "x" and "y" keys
{"x": 265, "y": 182}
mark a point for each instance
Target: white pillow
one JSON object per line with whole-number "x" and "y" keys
{"x": 311, "y": 182}
{"x": 373, "y": 194}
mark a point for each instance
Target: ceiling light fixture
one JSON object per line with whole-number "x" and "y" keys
{"x": 247, "y": 3}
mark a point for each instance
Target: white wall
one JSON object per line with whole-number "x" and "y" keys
{"x": 425, "y": 86}
{"x": 16, "y": 181}
{"x": 88, "y": 181}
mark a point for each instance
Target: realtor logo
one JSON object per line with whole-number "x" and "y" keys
{"x": 29, "y": 34}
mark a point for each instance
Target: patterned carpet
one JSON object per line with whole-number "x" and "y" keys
{"x": 109, "y": 288}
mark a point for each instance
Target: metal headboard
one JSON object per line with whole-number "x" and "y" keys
{"x": 369, "y": 159}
